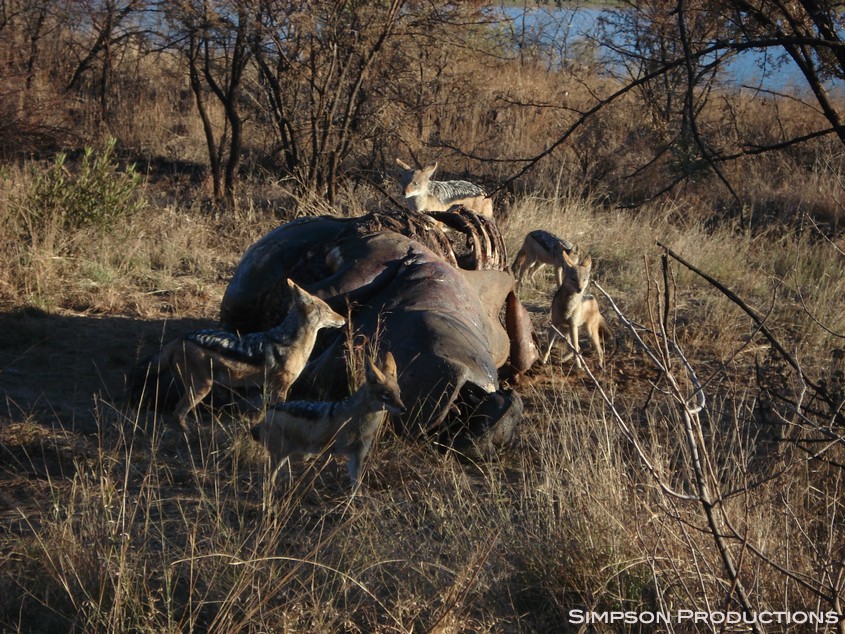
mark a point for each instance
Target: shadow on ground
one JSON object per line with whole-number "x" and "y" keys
{"x": 55, "y": 370}
{"x": 62, "y": 378}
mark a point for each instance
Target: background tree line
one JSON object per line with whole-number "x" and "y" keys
{"x": 326, "y": 92}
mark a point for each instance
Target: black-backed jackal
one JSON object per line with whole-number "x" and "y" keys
{"x": 540, "y": 248}
{"x": 573, "y": 308}
{"x": 273, "y": 358}
{"x": 346, "y": 427}
{"x": 423, "y": 194}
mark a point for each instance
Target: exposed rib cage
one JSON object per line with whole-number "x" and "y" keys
{"x": 486, "y": 245}
{"x": 483, "y": 248}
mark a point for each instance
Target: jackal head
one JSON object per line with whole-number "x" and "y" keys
{"x": 383, "y": 387}
{"x": 315, "y": 310}
{"x": 415, "y": 182}
{"x": 577, "y": 276}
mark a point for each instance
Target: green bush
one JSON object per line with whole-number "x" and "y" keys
{"x": 97, "y": 195}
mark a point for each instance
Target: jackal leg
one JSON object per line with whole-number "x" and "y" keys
{"x": 595, "y": 337}
{"x": 552, "y": 337}
{"x": 519, "y": 268}
{"x": 532, "y": 269}
{"x": 354, "y": 469}
{"x": 196, "y": 389}
{"x": 572, "y": 339}
{"x": 194, "y": 371}
{"x": 355, "y": 464}
{"x": 277, "y": 465}
{"x": 277, "y": 386}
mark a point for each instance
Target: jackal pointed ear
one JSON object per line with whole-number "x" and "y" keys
{"x": 373, "y": 374}
{"x": 571, "y": 260}
{"x": 587, "y": 261}
{"x": 295, "y": 292}
{"x": 428, "y": 170}
{"x": 402, "y": 164}
{"x": 388, "y": 365}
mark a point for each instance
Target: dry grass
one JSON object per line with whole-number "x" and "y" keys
{"x": 111, "y": 522}
{"x": 128, "y": 528}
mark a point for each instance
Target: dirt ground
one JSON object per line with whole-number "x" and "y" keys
{"x": 62, "y": 375}
{"x": 54, "y": 368}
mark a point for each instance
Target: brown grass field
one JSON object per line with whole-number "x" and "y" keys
{"x": 619, "y": 496}
{"x": 112, "y": 522}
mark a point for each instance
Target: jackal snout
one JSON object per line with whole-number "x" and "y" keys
{"x": 393, "y": 404}
{"x": 415, "y": 182}
{"x": 315, "y": 308}
{"x": 577, "y": 276}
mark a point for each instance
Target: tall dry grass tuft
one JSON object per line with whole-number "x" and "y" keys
{"x": 568, "y": 544}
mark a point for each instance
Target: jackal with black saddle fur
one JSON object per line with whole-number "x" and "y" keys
{"x": 346, "y": 427}
{"x": 273, "y": 359}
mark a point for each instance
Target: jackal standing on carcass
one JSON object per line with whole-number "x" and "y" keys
{"x": 274, "y": 358}
{"x": 540, "y": 248}
{"x": 423, "y": 194}
{"x": 346, "y": 427}
{"x": 573, "y": 308}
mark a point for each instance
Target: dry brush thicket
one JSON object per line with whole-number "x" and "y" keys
{"x": 703, "y": 469}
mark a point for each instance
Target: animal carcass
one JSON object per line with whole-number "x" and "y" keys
{"x": 432, "y": 298}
